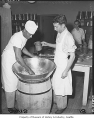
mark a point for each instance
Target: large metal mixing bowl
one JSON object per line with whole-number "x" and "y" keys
{"x": 42, "y": 68}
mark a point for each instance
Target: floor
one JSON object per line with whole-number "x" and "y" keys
{"x": 74, "y": 101}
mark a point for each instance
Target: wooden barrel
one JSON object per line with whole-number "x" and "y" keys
{"x": 35, "y": 98}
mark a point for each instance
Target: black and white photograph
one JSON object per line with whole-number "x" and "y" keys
{"x": 46, "y": 59}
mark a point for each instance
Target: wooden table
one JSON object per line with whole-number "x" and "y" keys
{"x": 84, "y": 67}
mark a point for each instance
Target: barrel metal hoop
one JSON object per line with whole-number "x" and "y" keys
{"x": 34, "y": 93}
{"x": 34, "y": 82}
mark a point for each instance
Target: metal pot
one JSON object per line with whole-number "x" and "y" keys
{"x": 42, "y": 68}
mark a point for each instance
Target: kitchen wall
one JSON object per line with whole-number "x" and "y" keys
{"x": 69, "y": 8}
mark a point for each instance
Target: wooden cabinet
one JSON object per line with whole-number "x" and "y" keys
{"x": 6, "y": 28}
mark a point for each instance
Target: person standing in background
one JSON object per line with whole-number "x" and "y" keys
{"x": 78, "y": 34}
{"x": 11, "y": 54}
{"x": 64, "y": 58}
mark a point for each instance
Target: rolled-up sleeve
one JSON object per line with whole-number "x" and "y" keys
{"x": 71, "y": 44}
{"x": 16, "y": 41}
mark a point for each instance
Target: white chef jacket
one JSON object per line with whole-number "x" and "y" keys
{"x": 78, "y": 35}
{"x": 9, "y": 79}
{"x": 64, "y": 44}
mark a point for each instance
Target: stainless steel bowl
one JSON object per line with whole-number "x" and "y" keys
{"x": 42, "y": 68}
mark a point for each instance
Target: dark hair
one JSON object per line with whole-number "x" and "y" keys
{"x": 77, "y": 21}
{"x": 61, "y": 19}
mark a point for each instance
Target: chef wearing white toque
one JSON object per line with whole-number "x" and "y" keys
{"x": 10, "y": 55}
{"x": 31, "y": 26}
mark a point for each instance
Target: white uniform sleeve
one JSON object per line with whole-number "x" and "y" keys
{"x": 16, "y": 41}
{"x": 71, "y": 44}
{"x": 72, "y": 32}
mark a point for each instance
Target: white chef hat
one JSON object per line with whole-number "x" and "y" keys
{"x": 31, "y": 26}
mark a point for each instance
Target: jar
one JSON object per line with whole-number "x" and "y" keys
{"x": 90, "y": 42}
{"x": 38, "y": 46}
{"x": 85, "y": 48}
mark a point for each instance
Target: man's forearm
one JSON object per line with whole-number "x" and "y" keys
{"x": 25, "y": 51}
{"x": 52, "y": 45}
{"x": 21, "y": 62}
{"x": 70, "y": 62}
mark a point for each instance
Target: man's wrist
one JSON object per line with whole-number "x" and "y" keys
{"x": 31, "y": 55}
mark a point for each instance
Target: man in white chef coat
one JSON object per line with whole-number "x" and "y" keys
{"x": 11, "y": 54}
{"x": 64, "y": 58}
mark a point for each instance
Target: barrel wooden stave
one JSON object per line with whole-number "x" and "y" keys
{"x": 35, "y": 98}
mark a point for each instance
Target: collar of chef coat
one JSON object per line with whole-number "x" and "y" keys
{"x": 60, "y": 35}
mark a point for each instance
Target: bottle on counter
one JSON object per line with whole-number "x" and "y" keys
{"x": 82, "y": 20}
{"x": 78, "y": 16}
{"x": 90, "y": 42}
{"x": 91, "y": 21}
{"x": 86, "y": 19}
{"x": 86, "y": 15}
{"x": 38, "y": 46}
{"x": 85, "y": 48}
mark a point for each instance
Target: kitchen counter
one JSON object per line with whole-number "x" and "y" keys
{"x": 84, "y": 64}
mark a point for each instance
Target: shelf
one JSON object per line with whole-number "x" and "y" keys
{"x": 19, "y": 20}
{"x": 86, "y": 26}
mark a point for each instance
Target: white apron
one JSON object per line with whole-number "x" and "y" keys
{"x": 61, "y": 86}
{"x": 9, "y": 79}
